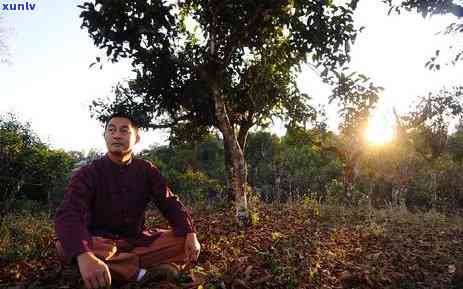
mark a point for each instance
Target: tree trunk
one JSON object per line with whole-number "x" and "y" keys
{"x": 194, "y": 159}
{"x": 348, "y": 182}
{"x": 243, "y": 135}
{"x": 277, "y": 194}
{"x": 433, "y": 189}
{"x": 234, "y": 161}
{"x": 228, "y": 172}
{"x": 354, "y": 152}
{"x": 235, "y": 165}
{"x": 370, "y": 195}
{"x": 8, "y": 192}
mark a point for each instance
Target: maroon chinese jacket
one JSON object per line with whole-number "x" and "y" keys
{"x": 107, "y": 199}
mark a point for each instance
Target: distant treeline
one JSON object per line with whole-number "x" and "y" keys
{"x": 313, "y": 163}
{"x": 305, "y": 163}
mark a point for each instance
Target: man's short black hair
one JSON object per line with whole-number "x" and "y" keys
{"x": 134, "y": 123}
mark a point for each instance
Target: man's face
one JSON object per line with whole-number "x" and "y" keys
{"x": 121, "y": 136}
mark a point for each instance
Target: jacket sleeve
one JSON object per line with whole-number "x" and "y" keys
{"x": 71, "y": 216}
{"x": 170, "y": 206}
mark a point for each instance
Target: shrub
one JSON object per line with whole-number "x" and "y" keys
{"x": 28, "y": 167}
{"x": 197, "y": 186}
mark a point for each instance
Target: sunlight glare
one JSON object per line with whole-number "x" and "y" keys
{"x": 379, "y": 131}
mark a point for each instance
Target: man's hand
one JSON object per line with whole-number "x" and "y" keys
{"x": 94, "y": 272}
{"x": 192, "y": 248}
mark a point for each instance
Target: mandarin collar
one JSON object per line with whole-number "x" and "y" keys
{"x": 115, "y": 165}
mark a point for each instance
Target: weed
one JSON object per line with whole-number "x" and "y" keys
{"x": 26, "y": 236}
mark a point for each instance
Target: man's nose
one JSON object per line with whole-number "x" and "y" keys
{"x": 117, "y": 135}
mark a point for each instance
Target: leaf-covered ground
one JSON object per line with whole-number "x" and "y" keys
{"x": 294, "y": 246}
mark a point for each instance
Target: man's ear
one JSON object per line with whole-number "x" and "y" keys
{"x": 137, "y": 138}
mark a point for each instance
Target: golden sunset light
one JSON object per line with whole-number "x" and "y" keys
{"x": 379, "y": 131}
{"x": 251, "y": 144}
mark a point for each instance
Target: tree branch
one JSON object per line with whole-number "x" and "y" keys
{"x": 235, "y": 36}
{"x": 456, "y": 10}
{"x": 243, "y": 132}
{"x": 174, "y": 122}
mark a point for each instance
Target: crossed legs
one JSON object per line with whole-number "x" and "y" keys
{"x": 124, "y": 264}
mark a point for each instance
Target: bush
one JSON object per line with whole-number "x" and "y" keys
{"x": 334, "y": 193}
{"x": 197, "y": 186}
{"x": 28, "y": 167}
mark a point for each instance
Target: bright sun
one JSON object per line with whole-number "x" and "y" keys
{"x": 379, "y": 131}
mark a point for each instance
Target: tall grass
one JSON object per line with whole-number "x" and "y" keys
{"x": 26, "y": 233}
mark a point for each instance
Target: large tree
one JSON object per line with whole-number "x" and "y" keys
{"x": 357, "y": 97}
{"x": 427, "y": 7}
{"x": 424, "y": 131}
{"x": 426, "y": 127}
{"x": 223, "y": 64}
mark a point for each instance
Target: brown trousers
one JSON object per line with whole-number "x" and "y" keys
{"x": 125, "y": 261}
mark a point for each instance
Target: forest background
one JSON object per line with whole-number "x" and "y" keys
{"x": 313, "y": 206}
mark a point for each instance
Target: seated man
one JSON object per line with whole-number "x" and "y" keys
{"x": 100, "y": 223}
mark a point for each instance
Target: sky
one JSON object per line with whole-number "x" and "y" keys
{"x": 48, "y": 81}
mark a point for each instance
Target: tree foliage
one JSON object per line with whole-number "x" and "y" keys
{"x": 28, "y": 167}
{"x": 428, "y": 8}
{"x": 426, "y": 127}
{"x": 357, "y": 97}
{"x": 228, "y": 65}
